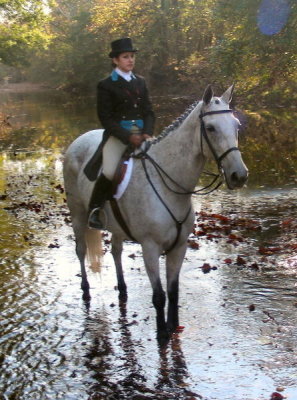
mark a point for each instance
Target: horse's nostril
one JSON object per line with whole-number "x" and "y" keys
{"x": 234, "y": 177}
{"x": 238, "y": 179}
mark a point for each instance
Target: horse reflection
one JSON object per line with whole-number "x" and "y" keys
{"x": 117, "y": 364}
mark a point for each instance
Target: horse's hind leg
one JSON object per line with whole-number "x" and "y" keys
{"x": 116, "y": 251}
{"x": 79, "y": 226}
{"x": 174, "y": 260}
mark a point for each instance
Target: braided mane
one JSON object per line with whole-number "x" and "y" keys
{"x": 175, "y": 124}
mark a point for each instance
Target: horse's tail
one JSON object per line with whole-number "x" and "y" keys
{"x": 94, "y": 248}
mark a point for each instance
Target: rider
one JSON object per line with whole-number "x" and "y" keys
{"x": 125, "y": 112}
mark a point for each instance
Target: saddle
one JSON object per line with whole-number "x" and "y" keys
{"x": 120, "y": 171}
{"x": 92, "y": 169}
{"x": 118, "y": 179}
{"x": 93, "y": 166}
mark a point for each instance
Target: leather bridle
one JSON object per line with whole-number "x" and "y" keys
{"x": 205, "y": 136}
{"x": 143, "y": 156}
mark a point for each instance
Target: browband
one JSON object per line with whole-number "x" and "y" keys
{"x": 215, "y": 112}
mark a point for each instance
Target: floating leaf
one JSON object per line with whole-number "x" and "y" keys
{"x": 269, "y": 250}
{"x": 277, "y": 396}
{"x": 240, "y": 261}
{"x": 193, "y": 244}
{"x": 206, "y": 268}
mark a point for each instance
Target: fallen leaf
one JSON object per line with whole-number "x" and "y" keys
{"x": 276, "y": 396}
{"x": 269, "y": 250}
{"x": 53, "y": 246}
{"x": 206, "y": 268}
{"x": 179, "y": 328}
{"x": 240, "y": 261}
{"x": 193, "y": 244}
{"x": 254, "y": 266}
{"x": 60, "y": 188}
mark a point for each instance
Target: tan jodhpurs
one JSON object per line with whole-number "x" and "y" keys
{"x": 112, "y": 153}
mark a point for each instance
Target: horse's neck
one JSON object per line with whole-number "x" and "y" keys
{"x": 179, "y": 153}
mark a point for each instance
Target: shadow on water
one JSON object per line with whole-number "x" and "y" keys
{"x": 240, "y": 314}
{"x": 130, "y": 379}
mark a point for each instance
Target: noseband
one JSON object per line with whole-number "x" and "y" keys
{"x": 205, "y": 136}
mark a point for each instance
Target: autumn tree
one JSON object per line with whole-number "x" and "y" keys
{"x": 261, "y": 62}
{"x": 21, "y": 30}
{"x": 185, "y": 44}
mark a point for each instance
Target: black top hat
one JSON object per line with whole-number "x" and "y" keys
{"x": 121, "y": 46}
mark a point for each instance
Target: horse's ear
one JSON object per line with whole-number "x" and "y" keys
{"x": 227, "y": 96}
{"x": 208, "y": 94}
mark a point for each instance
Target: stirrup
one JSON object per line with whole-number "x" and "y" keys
{"x": 94, "y": 221}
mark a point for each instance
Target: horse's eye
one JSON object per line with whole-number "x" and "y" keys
{"x": 210, "y": 128}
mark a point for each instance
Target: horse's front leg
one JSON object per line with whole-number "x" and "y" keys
{"x": 116, "y": 251}
{"x": 151, "y": 254}
{"x": 174, "y": 260}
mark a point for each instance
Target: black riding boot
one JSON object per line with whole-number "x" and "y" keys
{"x": 101, "y": 193}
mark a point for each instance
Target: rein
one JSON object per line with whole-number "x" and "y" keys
{"x": 161, "y": 171}
{"x": 177, "y": 222}
{"x": 145, "y": 156}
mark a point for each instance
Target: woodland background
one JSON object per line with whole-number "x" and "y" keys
{"x": 185, "y": 44}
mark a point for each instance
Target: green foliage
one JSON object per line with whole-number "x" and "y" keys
{"x": 73, "y": 59}
{"x": 185, "y": 44}
{"x": 260, "y": 62}
{"x": 270, "y": 147}
{"x": 21, "y": 30}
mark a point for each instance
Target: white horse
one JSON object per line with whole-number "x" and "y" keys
{"x": 156, "y": 205}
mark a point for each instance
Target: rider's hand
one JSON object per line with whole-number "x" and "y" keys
{"x": 135, "y": 139}
{"x": 145, "y": 136}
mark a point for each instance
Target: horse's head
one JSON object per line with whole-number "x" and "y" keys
{"x": 219, "y": 136}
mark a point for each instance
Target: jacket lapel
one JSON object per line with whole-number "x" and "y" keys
{"x": 122, "y": 83}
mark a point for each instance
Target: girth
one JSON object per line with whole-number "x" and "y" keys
{"x": 118, "y": 214}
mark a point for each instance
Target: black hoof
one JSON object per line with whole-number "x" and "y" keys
{"x": 86, "y": 295}
{"x": 123, "y": 296}
{"x": 163, "y": 338}
{"x": 163, "y": 342}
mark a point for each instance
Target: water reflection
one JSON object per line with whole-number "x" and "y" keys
{"x": 118, "y": 352}
{"x": 47, "y": 120}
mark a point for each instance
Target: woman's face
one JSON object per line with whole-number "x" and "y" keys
{"x": 125, "y": 61}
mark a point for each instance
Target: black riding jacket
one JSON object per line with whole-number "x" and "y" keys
{"x": 119, "y": 100}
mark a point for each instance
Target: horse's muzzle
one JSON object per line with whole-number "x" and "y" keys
{"x": 237, "y": 179}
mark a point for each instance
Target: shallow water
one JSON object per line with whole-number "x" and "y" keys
{"x": 240, "y": 318}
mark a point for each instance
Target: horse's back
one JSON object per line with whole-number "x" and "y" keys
{"x": 82, "y": 149}
{"x": 77, "y": 186}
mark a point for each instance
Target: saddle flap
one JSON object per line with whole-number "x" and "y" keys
{"x": 122, "y": 176}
